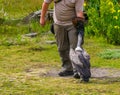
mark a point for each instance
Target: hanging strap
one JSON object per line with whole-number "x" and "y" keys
{"x": 56, "y": 1}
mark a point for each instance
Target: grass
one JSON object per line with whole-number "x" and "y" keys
{"x": 109, "y": 54}
{"x": 17, "y": 60}
{"x": 24, "y": 59}
{"x": 30, "y": 85}
{"x": 17, "y": 9}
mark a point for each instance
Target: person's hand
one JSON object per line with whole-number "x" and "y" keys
{"x": 42, "y": 21}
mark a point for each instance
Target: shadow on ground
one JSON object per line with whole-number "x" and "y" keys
{"x": 97, "y": 73}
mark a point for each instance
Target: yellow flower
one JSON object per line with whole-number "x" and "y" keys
{"x": 112, "y": 10}
{"x": 116, "y": 27}
{"x": 118, "y": 11}
{"x": 110, "y": 3}
{"x": 85, "y": 4}
{"x": 115, "y": 17}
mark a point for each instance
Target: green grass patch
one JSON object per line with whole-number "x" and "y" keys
{"x": 110, "y": 54}
{"x": 28, "y": 85}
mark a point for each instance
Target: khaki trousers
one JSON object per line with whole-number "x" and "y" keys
{"x": 66, "y": 38}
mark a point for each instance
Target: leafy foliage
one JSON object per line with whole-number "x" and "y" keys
{"x": 104, "y": 20}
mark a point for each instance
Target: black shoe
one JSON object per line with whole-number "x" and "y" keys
{"x": 76, "y": 75}
{"x": 85, "y": 80}
{"x": 65, "y": 73}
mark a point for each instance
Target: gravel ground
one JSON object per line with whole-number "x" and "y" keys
{"x": 95, "y": 73}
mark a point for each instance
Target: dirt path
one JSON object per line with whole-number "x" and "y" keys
{"x": 96, "y": 72}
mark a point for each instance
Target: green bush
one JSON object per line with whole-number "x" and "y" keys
{"x": 104, "y": 20}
